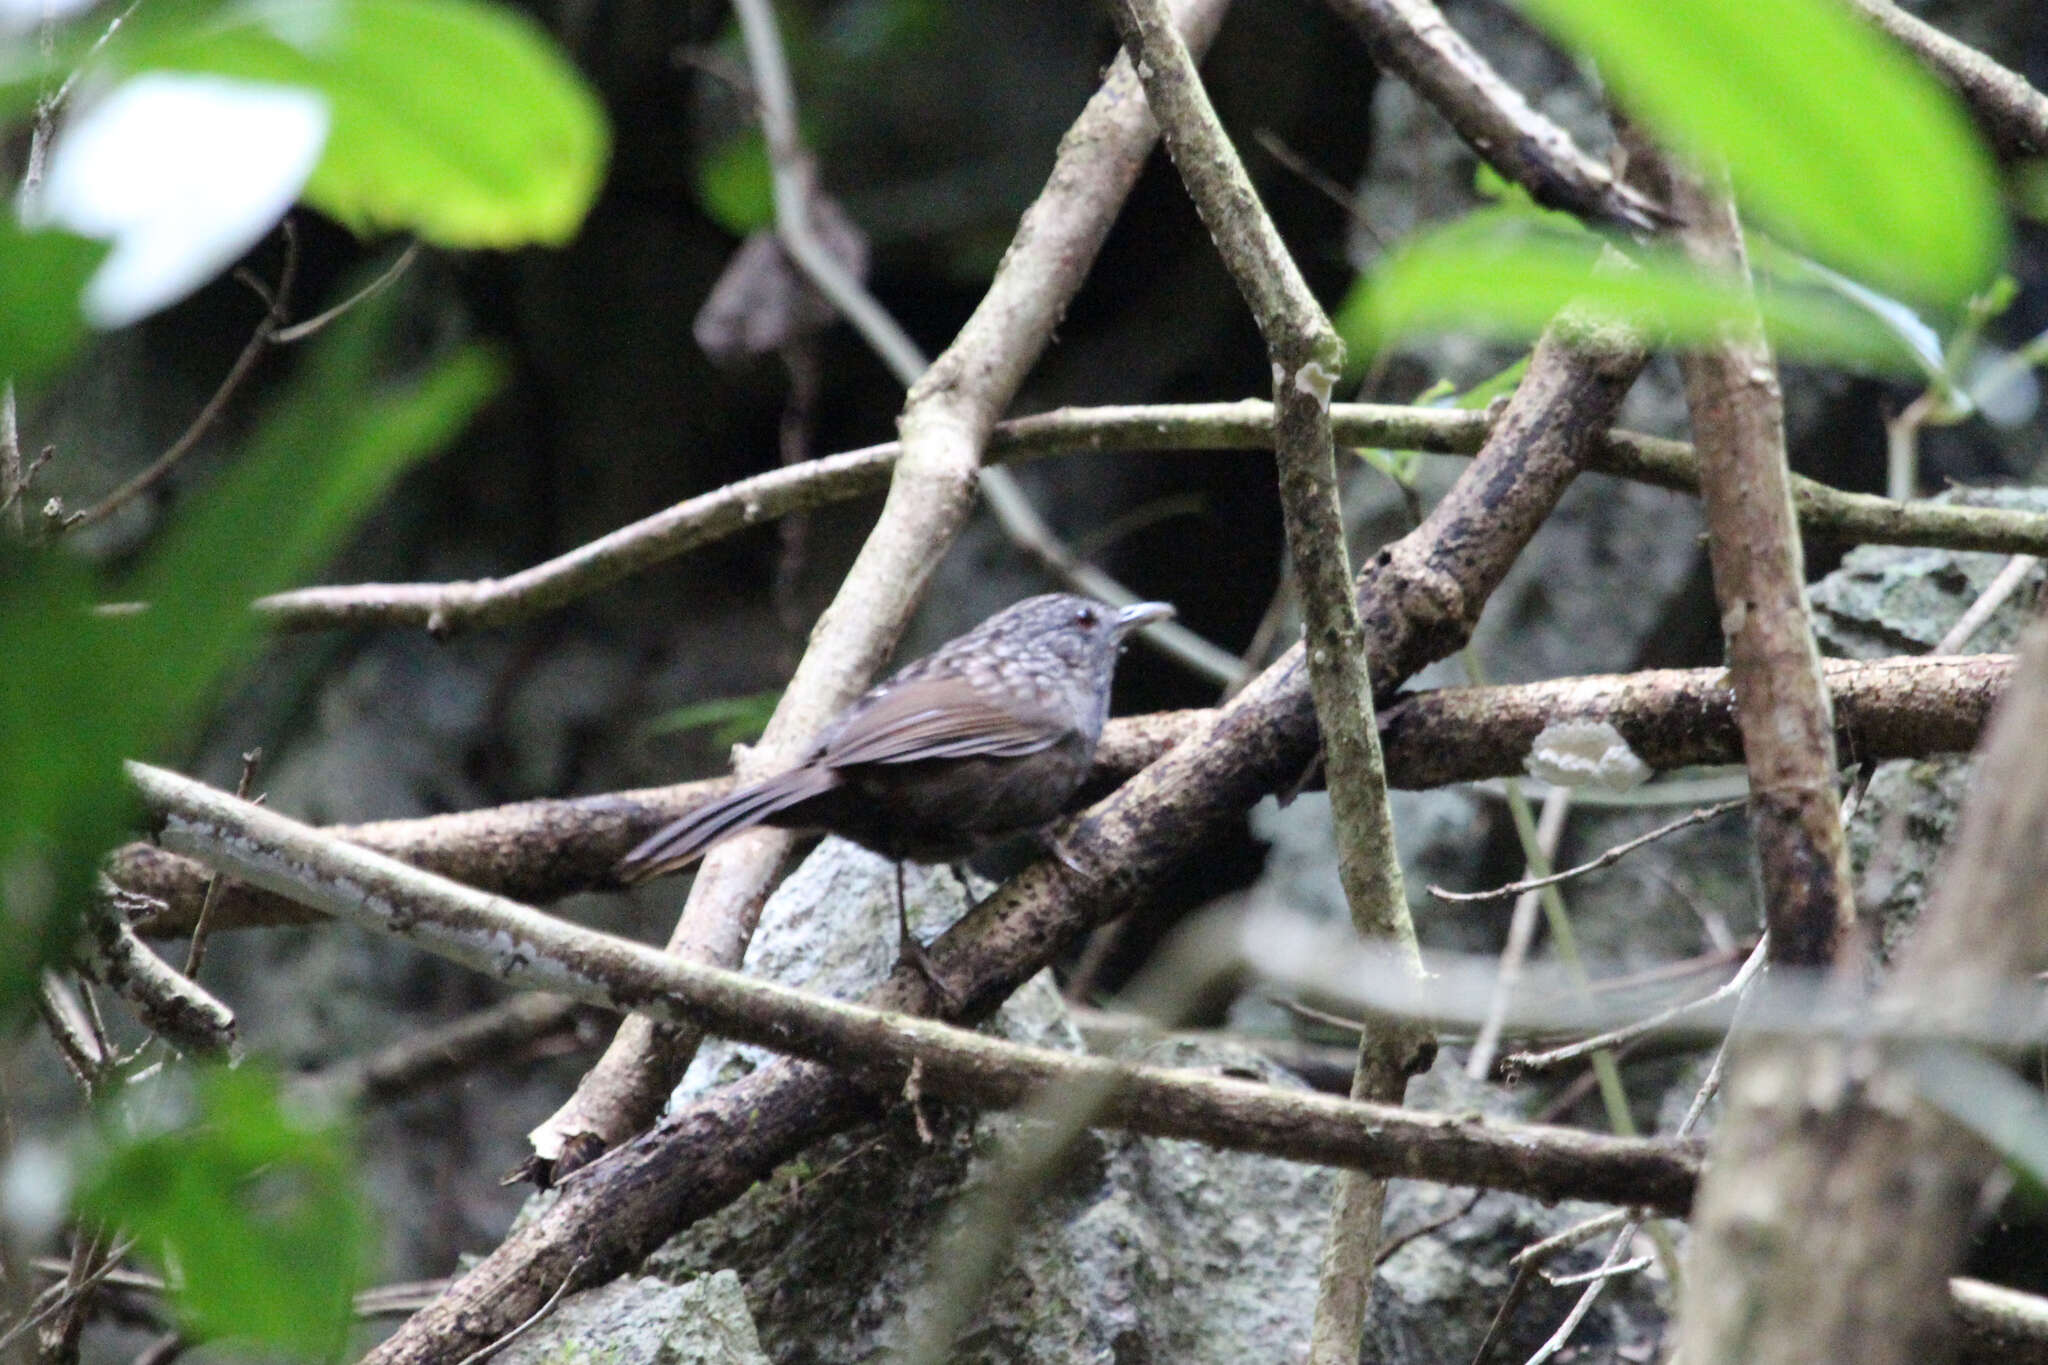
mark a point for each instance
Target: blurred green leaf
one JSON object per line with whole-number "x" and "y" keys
{"x": 731, "y": 720}
{"x": 458, "y": 120}
{"x": 1504, "y": 273}
{"x": 41, "y": 277}
{"x": 1498, "y": 385}
{"x": 252, "y": 1211}
{"x": 1831, "y": 135}
{"x": 80, "y": 691}
{"x": 320, "y": 459}
{"x": 735, "y": 185}
{"x": 66, "y": 722}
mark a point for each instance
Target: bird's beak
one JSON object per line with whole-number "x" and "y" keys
{"x": 1140, "y": 614}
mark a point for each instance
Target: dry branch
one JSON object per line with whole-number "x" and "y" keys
{"x": 524, "y": 947}
{"x": 1307, "y": 360}
{"x": 444, "y": 608}
{"x": 1672, "y": 718}
{"x": 1738, "y": 422}
{"x": 1412, "y": 39}
{"x": 2011, "y": 113}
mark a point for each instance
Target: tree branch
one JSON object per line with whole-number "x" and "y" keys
{"x": 1307, "y": 360}
{"x": 522, "y": 947}
{"x": 2011, "y": 112}
{"x": 1672, "y": 718}
{"x": 1760, "y": 583}
{"x": 444, "y": 608}
{"x": 1412, "y": 39}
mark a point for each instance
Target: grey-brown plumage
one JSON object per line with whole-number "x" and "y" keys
{"x": 987, "y": 738}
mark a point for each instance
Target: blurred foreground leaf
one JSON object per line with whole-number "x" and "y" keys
{"x": 81, "y": 691}
{"x": 1506, "y": 273}
{"x": 252, "y": 1212}
{"x": 458, "y": 120}
{"x": 1832, "y": 135}
{"x": 41, "y": 277}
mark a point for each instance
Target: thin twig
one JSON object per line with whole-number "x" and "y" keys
{"x": 1514, "y": 954}
{"x": 709, "y": 517}
{"x": 1607, "y": 859}
{"x": 60, "y": 1295}
{"x": 795, "y": 182}
{"x": 299, "y": 331}
{"x": 1599, "y": 1279}
{"x": 533, "y": 1320}
{"x": 1390, "y": 1245}
{"x": 1994, "y": 596}
{"x": 195, "y": 952}
{"x": 1568, "y": 1238}
{"x": 252, "y": 351}
{"x": 1539, "y": 1061}
{"x": 498, "y": 1036}
{"x": 1602, "y": 1273}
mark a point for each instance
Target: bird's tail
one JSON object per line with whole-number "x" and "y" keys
{"x": 682, "y": 842}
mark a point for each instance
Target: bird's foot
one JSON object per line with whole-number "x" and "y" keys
{"x": 1056, "y": 845}
{"x": 914, "y": 955}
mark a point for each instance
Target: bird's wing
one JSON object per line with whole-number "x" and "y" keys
{"x": 950, "y": 719}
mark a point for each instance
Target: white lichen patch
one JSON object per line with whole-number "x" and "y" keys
{"x": 1317, "y": 382}
{"x": 1586, "y": 753}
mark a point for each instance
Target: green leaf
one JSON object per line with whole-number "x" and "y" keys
{"x": 1504, "y": 273}
{"x": 1831, "y": 135}
{"x": 457, "y": 120}
{"x": 252, "y": 1211}
{"x": 731, "y": 720}
{"x": 66, "y": 722}
{"x": 41, "y": 277}
{"x": 735, "y": 185}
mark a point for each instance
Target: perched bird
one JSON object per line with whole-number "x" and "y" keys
{"x": 987, "y": 738}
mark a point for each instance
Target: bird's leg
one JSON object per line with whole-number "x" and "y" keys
{"x": 912, "y": 954}
{"x": 902, "y": 912}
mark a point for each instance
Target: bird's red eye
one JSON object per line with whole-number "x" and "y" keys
{"x": 1086, "y": 619}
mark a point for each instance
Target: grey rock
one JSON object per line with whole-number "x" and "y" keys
{"x": 1139, "y": 1249}
{"x": 703, "y": 1321}
{"x": 1887, "y": 600}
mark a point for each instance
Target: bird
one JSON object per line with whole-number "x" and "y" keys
{"x": 986, "y": 738}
